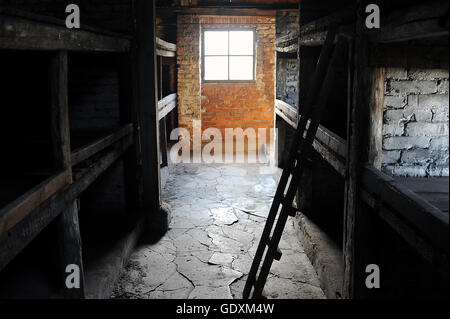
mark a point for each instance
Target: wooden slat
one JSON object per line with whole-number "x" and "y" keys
{"x": 287, "y": 112}
{"x": 14, "y": 212}
{"x": 426, "y": 218}
{"x": 29, "y": 227}
{"x": 85, "y": 152}
{"x": 146, "y": 81}
{"x": 314, "y": 32}
{"x": 67, "y": 225}
{"x": 221, "y": 11}
{"x": 165, "y": 53}
{"x": 329, "y": 145}
{"x": 21, "y": 34}
{"x": 409, "y": 234}
{"x": 166, "y": 105}
{"x": 323, "y": 23}
{"x": 164, "y": 45}
{"x": 415, "y": 22}
{"x": 87, "y": 176}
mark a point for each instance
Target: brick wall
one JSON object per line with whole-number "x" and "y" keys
{"x": 287, "y": 66}
{"x": 188, "y": 55}
{"x": 226, "y": 105}
{"x": 416, "y": 126}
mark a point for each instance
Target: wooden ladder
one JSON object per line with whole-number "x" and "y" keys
{"x": 282, "y": 205}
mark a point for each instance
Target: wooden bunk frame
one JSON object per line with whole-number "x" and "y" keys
{"x": 423, "y": 226}
{"x": 55, "y": 198}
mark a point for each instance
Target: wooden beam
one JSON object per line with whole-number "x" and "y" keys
{"x": 86, "y": 176}
{"x": 147, "y": 99}
{"x": 13, "y": 213}
{"x": 409, "y": 56}
{"x": 322, "y": 24}
{"x": 329, "y": 145}
{"x": 218, "y": 11}
{"x": 21, "y": 34}
{"x": 100, "y": 144}
{"x": 164, "y": 45}
{"x": 376, "y": 117}
{"x": 426, "y": 218}
{"x": 164, "y": 53}
{"x": 415, "y": 22}
{"x": 20, "y": 235}
{"x": 128, "y": 115}
{"x": 166, "y": 105}
{"x": 411, "y": 235}
{"x": 69, "y": 239}
{"x": 286, "y": 112}
{"x": 357, "y": 154}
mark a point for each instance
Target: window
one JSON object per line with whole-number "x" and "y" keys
{"x": 228, "y": 55}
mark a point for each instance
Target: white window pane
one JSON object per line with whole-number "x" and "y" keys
{"x": 216, "y": 68}
{"x": 241, "y": 68}
{"x": 241, "y": 42}
{"x": 216, "y": 42}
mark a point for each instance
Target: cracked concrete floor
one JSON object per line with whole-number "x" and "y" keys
{"x": 218, "y": 213}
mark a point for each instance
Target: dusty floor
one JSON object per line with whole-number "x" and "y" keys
{"x": 218, "y": 213}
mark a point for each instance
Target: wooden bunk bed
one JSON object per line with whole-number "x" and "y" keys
{"x": 26, "y": 210}
{"x": 417, "y": 215}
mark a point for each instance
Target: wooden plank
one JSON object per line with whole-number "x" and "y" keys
{"x": 13, "y": 213}
{"x": 285, "y": 117}
{"x": 421, "y": 245}
{"x": 62, "y": 200}
{"x": 128, "y": 115}
{"x": 85, "y": 152}
{"x": 337, "y": 162}
{"x": 357, "y": 155}
{"x": 286, "y": 112}
{"x": 269, "y": 12}
{"x": 164, "y": 45}
{"x": 411, "y": 31}
{"x": 332, "y": 141}
{"x": 87, "y": 176}
{"x": 165, "y": 53}
{"x": 46, "y": 19}
{"x": 147, "y": 98}
{"x": 69, "y": 239}
{"x": 167, "y": 109}
{"x": 415, "y": 22}
{"x": 426, "y": 218}
{"x": 321, "y": 24}
{"x": 314, "y": 33}
{"x": 22, "y": 34}
{"x": 409, "y": 56}
{"x": 376, "y": 117}
{"x": 329, "y": 145}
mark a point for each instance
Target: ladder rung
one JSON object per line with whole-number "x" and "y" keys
{"x": 293, "y": 212}
{"x": 278, "y": 254}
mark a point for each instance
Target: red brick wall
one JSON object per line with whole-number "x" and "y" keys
{"x": 246, "y": 105}
{"x": 227, "y": 105}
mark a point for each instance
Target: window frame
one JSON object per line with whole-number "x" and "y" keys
{"x": 253, "y": 80}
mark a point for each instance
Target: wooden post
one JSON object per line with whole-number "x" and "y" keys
{"x": 356, "y": 239}
{"x": 376, "y": 117}
{"x": 147, "y": 101}
{"x": 69, "y": 238}
{"x": 163, "y": 121}
{"x": 128, "y": 115}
